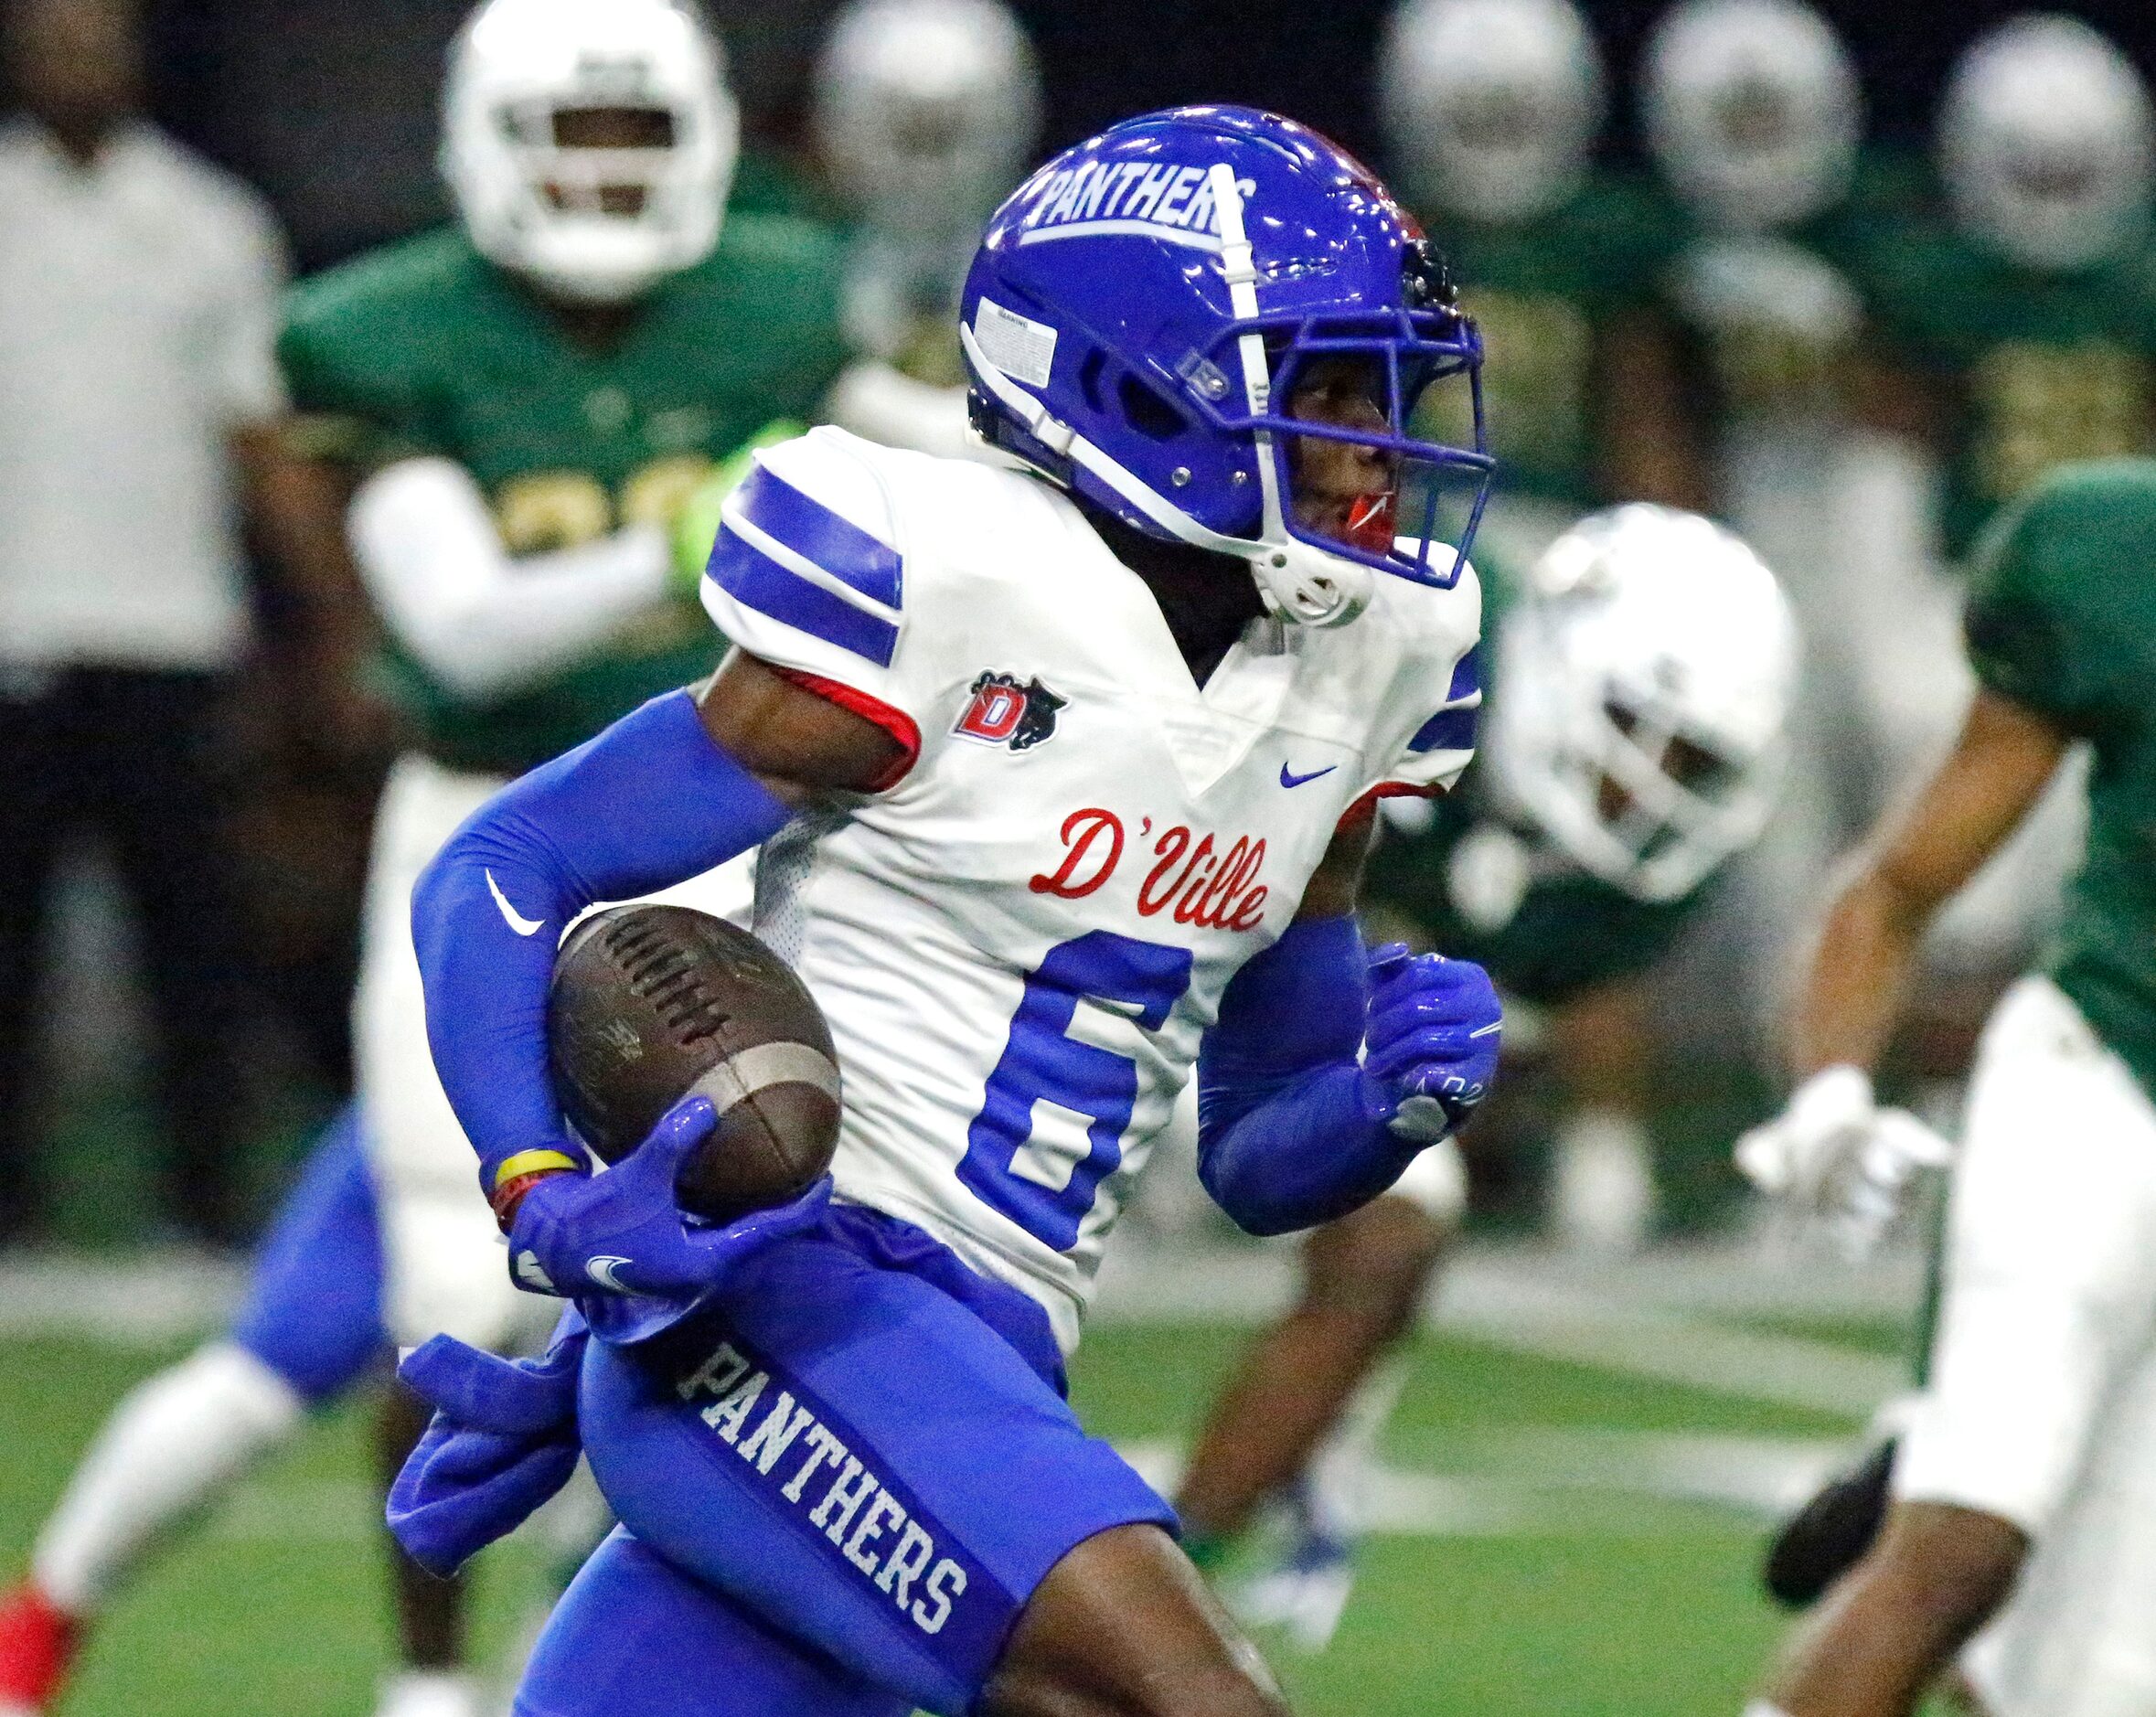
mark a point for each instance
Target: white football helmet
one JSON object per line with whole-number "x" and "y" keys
{"x": 589, "y": 146}
{"x": 1753, "y": 110}
{"x": 1490, "y": 106}
{"x": 2045, "y": 142}
{"x": 926, "y": 113}
{"x": 1642, "y": 685}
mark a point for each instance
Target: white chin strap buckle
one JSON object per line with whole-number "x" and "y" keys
{"x": 1310, "y": 587}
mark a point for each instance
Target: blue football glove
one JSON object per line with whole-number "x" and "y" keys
{"x": 504, "y": 1439}
{"x": 622, "y": 1234}
{"x": 1429, "y": 1042}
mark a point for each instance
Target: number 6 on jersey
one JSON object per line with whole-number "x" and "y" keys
{"x": 1042, "y": 1063}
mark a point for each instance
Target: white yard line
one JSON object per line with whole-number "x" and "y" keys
{"x": 1651, "y": 1318}
{"x": 1654, "y": 1317}
{"x": 1765, "y": 1476}
{"x": 1563, "y": 1482}
{"x": 147, "y": 1302}
{"x": 1150, "y": 1277}
{"x": 1555, "y": 1321}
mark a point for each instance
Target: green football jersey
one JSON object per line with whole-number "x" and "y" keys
{"x": 1890, "y": 182}
{"x": 1772, "y": 320}
{"x": 771, "y": 182}
{"x": 2038, "y": 368}
{"x": 2062, "y": 620}
{"x": 1483, "y": 887}
{"x": 425, "y": 348}
{"x": 1546, "y": 296}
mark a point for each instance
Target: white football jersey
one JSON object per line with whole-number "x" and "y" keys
{"x": 1019, "y": 940}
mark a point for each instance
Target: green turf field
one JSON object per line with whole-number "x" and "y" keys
{"x": 1559, "y": 1537}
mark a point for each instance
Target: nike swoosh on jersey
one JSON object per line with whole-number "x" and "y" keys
{"x": 516, "y": 920}
{"x": 602, "y": 1271}
{"x": 1287, "y": 778}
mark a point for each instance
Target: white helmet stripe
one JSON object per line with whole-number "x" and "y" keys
{"x": 1239, "y": 268}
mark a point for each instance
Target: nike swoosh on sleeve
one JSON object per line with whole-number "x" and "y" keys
{"x": 1289, "y": 779}
{"x": 515, "y": 921}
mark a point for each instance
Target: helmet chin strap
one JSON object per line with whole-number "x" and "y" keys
{"x": 1304, "y": 584}
{"x": 1298, "y": 582}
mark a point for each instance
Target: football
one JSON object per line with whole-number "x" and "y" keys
{"x": 652, "y": 1003}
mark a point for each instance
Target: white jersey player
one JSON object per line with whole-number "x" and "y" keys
{"x": 2017, "y": 1497}
{"x": 1061, "y": 779}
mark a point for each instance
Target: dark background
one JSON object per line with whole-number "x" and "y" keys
{"x": 329, "y": 104}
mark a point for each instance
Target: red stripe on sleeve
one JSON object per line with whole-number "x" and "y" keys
{"x": 895, "y": 723}
{"x": 1387, "y": 790}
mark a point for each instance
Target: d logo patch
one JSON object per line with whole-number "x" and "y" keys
{"x": 1004, "y": 712}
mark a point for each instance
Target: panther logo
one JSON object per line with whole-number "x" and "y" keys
{"x": 1004, "y": 712}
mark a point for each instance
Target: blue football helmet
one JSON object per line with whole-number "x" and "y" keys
{"x": 1140, "y": 312}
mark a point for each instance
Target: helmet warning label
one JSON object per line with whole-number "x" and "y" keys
{"x": 1016, "y": 345}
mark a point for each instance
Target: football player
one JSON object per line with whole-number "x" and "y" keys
{"x": 2011, "y": 317}
{"x": 2044, "y": 152}
{"x": 1492, "y": 110}
{"x": 2023, "y": 317}
{"x": 1633, "y": 742}
{"x": 2025, "y": 1466}
{"x": 524, "y": 403}
{"x": 1752, "y": 118}
{"x": 925, "y": 116}
{"x": 1061, "y": 779}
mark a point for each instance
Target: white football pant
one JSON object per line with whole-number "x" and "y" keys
{"x": 2042, "y": 1403}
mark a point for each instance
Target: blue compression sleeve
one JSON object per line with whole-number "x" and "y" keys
{"x": 1285, "y": 1140}
{"x": 650, "y": 802}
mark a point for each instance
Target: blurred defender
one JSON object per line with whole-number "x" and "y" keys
{"x": 2023, "y": 319}
{"x": 1752, "y": 118}
{"x": 926, "y": 113}
{"x": 1633, "y": 722}
{"x": 527, "y": 405}
{"x": 1492, "y": 110}
{"x": 2030, "y": 1457}
{"x": 2012, "y": 328}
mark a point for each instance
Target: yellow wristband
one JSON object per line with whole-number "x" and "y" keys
{"x": 531, "y": 1163}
